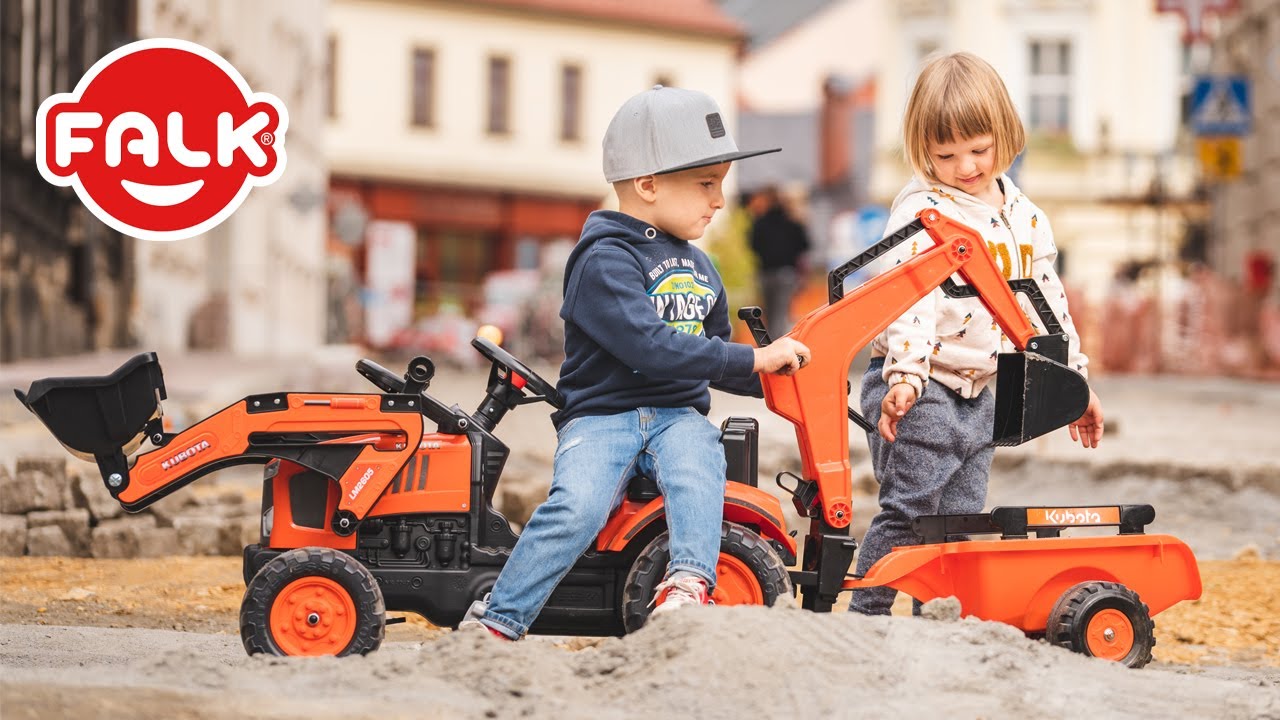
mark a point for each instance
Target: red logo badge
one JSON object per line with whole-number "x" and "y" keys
{"x": 161, "y": 139}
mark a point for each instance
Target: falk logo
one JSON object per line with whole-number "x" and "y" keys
{"x": 162, "y": 139}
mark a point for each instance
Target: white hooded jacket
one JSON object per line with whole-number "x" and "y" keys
{"x": 955, "y": 340}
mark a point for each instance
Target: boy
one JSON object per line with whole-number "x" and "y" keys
{"x": 646, "y": 332}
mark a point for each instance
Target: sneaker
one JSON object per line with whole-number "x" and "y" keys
{"x": 471, "y": 621}
{"x": 671, "y": 595}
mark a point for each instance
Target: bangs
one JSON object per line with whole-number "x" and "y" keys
{"x": 959, "y": 116}
{"x": 957, "y": 97}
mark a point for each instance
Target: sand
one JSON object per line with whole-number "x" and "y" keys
{"x": 717, "y": 663}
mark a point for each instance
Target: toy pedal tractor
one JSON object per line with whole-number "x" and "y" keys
{"x": 368, "y": 509}
{"x": 383, "y": 502}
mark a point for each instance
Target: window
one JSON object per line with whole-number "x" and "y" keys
{"x": 570, "y": 102}
{"x": 499, "y": 95}
{"x": 424, "y": 87}
{"x": 1050, "y": 106}
{"x": 331, "y": 78}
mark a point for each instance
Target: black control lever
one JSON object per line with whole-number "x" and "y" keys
{"x": 754, "y": 318}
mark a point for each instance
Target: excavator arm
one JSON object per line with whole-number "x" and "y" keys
{"x": 1036, "y": 391}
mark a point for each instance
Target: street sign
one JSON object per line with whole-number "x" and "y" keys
{"x": 1220, "y": 157}
{"x": 1220, "y": 105}
{"x": 1194, "y": 12}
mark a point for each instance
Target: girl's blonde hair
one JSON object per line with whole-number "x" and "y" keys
{"x": 957, "y": 97}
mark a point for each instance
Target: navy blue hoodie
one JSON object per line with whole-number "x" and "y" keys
{"x": 646, "y": 324}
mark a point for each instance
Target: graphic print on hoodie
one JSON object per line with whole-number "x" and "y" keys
{"x": 646, "y": 324}
{"x": 682, "y": 296}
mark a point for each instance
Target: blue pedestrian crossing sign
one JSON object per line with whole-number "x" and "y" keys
{"x": 1220, "y": 105}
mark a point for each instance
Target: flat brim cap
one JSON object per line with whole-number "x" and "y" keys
{"x": 666, "y": 130}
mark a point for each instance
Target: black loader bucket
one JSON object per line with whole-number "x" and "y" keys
{"x": 100, "y": 417}
{"x": 1035, "y": 395}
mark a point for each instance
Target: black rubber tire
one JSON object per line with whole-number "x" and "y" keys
{"x": 1069, "y": 619}
{"x": 651, "y": 565}
{"x": 265, "y": 587}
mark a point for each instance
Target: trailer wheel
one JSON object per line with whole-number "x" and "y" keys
{"x": 1104, "y": 620}
{"x": 312, "y": 601}
{"x": 748, "y": 572}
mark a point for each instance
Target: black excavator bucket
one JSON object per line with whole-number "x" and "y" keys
{"x": 98, "y": 417}
{"x": 1035, "y": 395}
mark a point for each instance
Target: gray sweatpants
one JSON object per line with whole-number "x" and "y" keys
{"x": 938, "y": 465}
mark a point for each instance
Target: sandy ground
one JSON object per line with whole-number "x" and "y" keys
{"x": 159, "y": 638}
{"x": 715, "y": 663}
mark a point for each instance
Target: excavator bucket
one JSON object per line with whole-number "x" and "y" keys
{"x": 95, "y": 417}
{"x": 1035, "y": 395}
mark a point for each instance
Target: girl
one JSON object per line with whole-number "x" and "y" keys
{"x": 932, "y": 454}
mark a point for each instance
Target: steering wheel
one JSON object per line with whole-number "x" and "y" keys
{"x": 505, "y": 360}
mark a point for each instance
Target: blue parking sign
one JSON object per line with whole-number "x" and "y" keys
{"x": 1220, "y": 105}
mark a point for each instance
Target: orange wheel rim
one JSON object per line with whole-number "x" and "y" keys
{"x": 1109, "y": 635}
{"x": 736, "y": 584}
{"x": 313, "y": 616}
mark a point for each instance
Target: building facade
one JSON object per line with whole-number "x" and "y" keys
{"x": 66, "y": 280}
{"x": 1100, "y": 87}
{"x": 255, "y": 284}
{"x": 475, "y": 127}
{"x": 1246, "y": 228}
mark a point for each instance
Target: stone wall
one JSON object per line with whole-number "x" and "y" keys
{"x": 55, "y": 506}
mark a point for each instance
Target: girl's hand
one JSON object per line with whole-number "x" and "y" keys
{"x": 900, "y": 399}
{"x": 1088, "y": 428}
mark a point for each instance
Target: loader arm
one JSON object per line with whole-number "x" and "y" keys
{"x": 815, "y": 400}
{"x": 360, "y": 441}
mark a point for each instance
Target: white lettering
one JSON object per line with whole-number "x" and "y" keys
{"x": 190, "y": 158}
{"x": 64, "y": 143}
{"x": 147, "y": 146}
{"x": 243, "y": 138}
{"x": 1068, "y": 517}
{"x": 360, "y": 485}
{"x": 185, "y": 455}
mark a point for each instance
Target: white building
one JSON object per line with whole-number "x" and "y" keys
{"x": 477, "y": 125}
{"x": 254, "y": 285}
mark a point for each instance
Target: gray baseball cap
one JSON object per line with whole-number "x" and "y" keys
{"x": 666, "y": 130}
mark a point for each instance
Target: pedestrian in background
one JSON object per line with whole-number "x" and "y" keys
{"x": 779, "y": 243}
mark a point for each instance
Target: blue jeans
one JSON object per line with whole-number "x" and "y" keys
{"x": 596, "y": 456}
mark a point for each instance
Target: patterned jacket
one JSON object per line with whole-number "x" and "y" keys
{"x": 956, "y": 341}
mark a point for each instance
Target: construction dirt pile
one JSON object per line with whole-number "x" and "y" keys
{"x": 716, "y": 663}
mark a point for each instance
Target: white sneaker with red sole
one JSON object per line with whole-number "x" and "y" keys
{"x": 687, "y": 591}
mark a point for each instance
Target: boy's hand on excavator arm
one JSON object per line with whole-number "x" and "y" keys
{"x": 1088, "y": 428}
{"x": 900, "y": 399}
{"x": 783, "y": 356}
